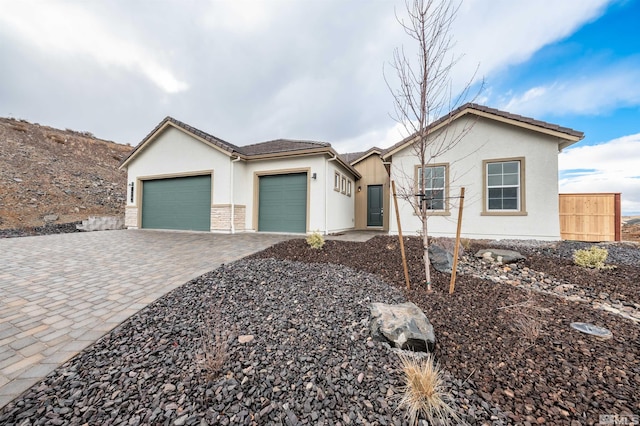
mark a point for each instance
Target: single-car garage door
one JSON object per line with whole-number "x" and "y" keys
{"x": 177, "y": 203}
{"x": 283, "y": 203}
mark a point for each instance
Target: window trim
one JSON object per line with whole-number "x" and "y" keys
{"x": 522, "y": 211}
{"x": 446, "y": 211}
{"x": 349, "y": 186}
{"x": 343, "y": 185}
{"x": 336, "y": 182}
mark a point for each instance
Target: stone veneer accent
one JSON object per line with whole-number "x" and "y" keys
{"x": 131, "y": 217}
{"x": 221, "y": 217}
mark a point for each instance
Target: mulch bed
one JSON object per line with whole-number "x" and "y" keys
{"x": 561, "y": 377}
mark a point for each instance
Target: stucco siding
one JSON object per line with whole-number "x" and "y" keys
{"x": 175, "y": 153}
{"x": 488, "y": 140}
{"x": 341, "y": 205}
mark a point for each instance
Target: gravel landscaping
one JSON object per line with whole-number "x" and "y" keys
{"x": 293, "y": 323}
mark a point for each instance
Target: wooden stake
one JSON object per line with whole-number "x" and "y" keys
{"x": 452, "y": 285}
{"x": 404, "y": 258}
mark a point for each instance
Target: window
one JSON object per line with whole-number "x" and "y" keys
{"x": 504, "y": 186}
{"x": 433, "y": 186}
{"x": 349, "y": 188}
{"x": 343, "y": 187}
{"x": 336, "y": 182}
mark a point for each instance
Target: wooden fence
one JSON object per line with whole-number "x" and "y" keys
{"x": 590, "y": 217}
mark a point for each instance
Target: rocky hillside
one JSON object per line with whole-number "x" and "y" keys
{"x": 51, "y": 172}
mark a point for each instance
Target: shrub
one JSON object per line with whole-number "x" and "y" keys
{"x": 424, "y": 394}
{"x": 315, "y": 240}
{"x": 592, "y": 258}
{"x": 214, "y": 350}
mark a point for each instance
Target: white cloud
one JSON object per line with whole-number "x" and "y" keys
{"x": 610, "y": 88}
{"x": 499, "y": 33}
{"x": 607, "y": 167}
{"x": 382, "y": 138}
{"x": 62, "y": 28}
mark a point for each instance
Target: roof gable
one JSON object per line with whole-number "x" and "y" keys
{"x": 565, "y": 135}
{"x": 354, "y": 158}
{"x": 170, "y": 122}
{"x": 278, "y": 148}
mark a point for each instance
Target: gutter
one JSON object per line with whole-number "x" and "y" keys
{"x": 233, "y": 205}
{"x": 326, "y": 193}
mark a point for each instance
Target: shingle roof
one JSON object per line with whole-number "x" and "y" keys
{"x": 350, "y": 157}
{"x": 521, "y": 118}
{"x": 471, "y": 107}
{"x": 281, "y": 145}
{"x": 277, "y": 146}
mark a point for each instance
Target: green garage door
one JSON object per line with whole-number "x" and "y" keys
{"x": 283, "y": 203}
{"x": 177, "y": 203}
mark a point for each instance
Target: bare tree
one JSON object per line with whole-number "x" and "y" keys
{"x": 424, "y": 93}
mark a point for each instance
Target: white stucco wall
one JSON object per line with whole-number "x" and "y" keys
{"x": 338, "y": 211}
{"x": 175, "y": 153}
{"x": 341, "y": 212}
{"x": 488, "y": 140}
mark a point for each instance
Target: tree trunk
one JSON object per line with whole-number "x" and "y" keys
{"x": 425, "y": 247}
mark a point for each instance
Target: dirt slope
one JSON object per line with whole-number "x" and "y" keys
{"x": 47, "y": 171}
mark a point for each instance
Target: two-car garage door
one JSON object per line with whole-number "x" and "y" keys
{"x": 184, "y": 203}
{"x": 177, "y": 203}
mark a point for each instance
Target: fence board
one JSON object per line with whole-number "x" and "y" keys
{"x": 590, "y": 217}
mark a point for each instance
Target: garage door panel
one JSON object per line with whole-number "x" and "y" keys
{"x": 177, "y": 203}
{"x": 283, "y": 203}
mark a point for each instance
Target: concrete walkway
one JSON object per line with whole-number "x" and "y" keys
{"x": 61, "y": 293}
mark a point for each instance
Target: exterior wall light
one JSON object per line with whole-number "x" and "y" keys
{"x": 131, "y": 186}
{"x": 314, "y": 176}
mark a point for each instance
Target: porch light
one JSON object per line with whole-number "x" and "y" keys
{"x": 131, "y": 186}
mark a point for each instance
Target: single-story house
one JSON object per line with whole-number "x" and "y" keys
{"x": 507, "y": 163}
{"x": 180, "y": 177}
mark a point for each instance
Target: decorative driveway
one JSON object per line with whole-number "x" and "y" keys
{"x": 61, "y": 293}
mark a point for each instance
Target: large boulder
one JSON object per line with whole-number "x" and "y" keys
{"x": 500, "y": 255}
{"x": 441, "y": 259}
{"x": 403, "y": 326}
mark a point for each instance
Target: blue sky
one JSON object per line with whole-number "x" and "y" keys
{"x": 249, "y": 71}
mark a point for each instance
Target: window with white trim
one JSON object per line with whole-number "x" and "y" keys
{"x": 336, "y": 181}
{"x": 503, "y": 186}
{"x": 432, "y": 186}
{"x": 349, "y": 187}
{"x": 343, "y": 187}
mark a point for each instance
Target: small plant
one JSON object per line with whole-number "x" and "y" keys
{"x": 315, "y": 240}
{"x": 215, "y": 348}
{"x": 424, "y": 393}
{"x": 592, "y": 258}
{"x": 528, "y": 318}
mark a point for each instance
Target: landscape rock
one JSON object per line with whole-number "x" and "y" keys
{"x": 500, "y": 255}
{"x": 441, "y": 259}
{"x": 403, "y": 325}
{"x": 50, "y": 217}
{"x": 245, "y": 338}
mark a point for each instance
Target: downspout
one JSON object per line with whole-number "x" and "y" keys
{"x": 233, "y": 205}
{"x": 326, "y": 194}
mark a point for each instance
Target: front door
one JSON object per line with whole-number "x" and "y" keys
{"x": 374, "y": 205}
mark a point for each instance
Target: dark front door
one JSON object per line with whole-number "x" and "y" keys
{"x": 374, "y": 205}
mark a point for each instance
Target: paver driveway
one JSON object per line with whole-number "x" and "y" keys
{"x": 60, "y": 293}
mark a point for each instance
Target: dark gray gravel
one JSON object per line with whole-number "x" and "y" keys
{"x": 311, "y": 360}
{"x": 61, "y": 228}
{"x": 620, "y": 253}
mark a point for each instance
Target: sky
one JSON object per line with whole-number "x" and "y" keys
{"x": 251, "y": 71}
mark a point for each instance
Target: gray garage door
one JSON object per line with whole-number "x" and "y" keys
{"x": 283, "y": 203}
{"x": 177, "y": 203}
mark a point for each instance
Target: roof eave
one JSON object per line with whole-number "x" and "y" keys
{"x": 168, "y": 123}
